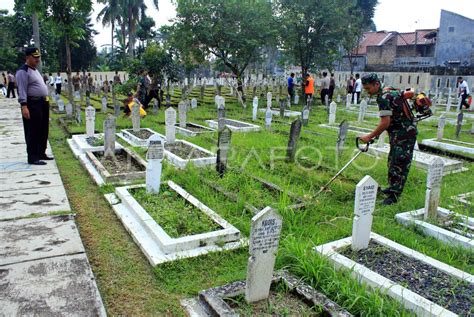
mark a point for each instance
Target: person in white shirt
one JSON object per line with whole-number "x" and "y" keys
{"x": 463, "y": 89}
{"x": 58, "y": 81}
{"x": 357, "y": 90}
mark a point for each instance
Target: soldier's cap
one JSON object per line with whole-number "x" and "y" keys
{"x": 33, "y": 51}
{"x": 370, "y": 79}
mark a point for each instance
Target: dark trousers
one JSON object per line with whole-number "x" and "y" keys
{"x": 324, "y": 93}
{"x": 331, "y": 92}
{"x": 11, "y": 88}
{"x": 58, "y": 89}
{"x": 464, "y": 100}
{"x": 356, "y": 97}
{"x": 152, "y": 94}
{"x": 36, "y": 129}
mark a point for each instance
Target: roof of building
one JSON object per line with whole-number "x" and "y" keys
{"x": 417, "y": 37}
{"x": 372, "y": 39}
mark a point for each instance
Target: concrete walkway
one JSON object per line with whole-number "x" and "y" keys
{"x": 43, "y": 265}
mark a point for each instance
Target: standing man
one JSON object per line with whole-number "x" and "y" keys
{"x": 463, "y": 92}
{"x": 76, "y": 81}
{"x": 350, "y": 85}
{"x": 332, "y": 87}
{"x": 33, "y": 97}
{"x": 308, "y": 87}
{"x": 357, "y": 90}
{"x": 402, "y": 132}
{"x": 291, "y": 86}
{"x": 117, "y": 80}
{"x": 11, "y": 85}
{"x": 58, "y": 81}
{"x": 90, "y": 85}
{"x": 324, "y": 87}
{"x": 142, "y": 87}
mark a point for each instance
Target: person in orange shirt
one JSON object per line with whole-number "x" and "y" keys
{"x": 308, "y": 87}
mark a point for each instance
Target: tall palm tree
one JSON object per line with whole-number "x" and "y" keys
{"x": 109, "y": 15}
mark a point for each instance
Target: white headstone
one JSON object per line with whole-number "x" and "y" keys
{"x": 154, "y": 165}
{"x": 263, "y": 246}
{"x": 60, "y": 103}
{"x": 381, "y": 142}
{"x": 433, "y": 190}
{"x": 348, "y": 101}
{"x": 305, "y": 116}
{"x": 441, "y": 124}
{"x": 69, "y": 109}
{"x": 182, "y": 114}
{"x": 170, "y": 121}
{"x": 449, "y": 104}
{"x": 332, "y": 113}
{"x": 365, "y": 196}
{"x": 254, "y": 108}
{"x": 104, "y": 104}
{"x": 363, "y": 107}
{"x": 338, "y": 99}
{"x": 109, "y": 136}
{"x": 297, "y": 99}
{"x": 268, "y": 119}
{"x": 136, "y": 116}
{"x": 194, "y": 103}
{"x": 269, "y": 100}
{"x": 90, "y": 121}
{"x": 77, "y": 95}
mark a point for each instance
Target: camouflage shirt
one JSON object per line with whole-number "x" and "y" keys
{"x": 391, "y": 104}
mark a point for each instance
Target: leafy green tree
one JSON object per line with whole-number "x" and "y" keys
{"x": 231, "y": 31}
{"x": 312, "y": 31}
{"x": 109, "y": 15}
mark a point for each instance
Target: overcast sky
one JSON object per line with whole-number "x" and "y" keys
{"x": 390, "y": 15}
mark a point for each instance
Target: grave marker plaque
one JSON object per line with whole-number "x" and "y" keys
{"x": 282, "y": 108}
{"x": 268, "y": 119}
{"x": 348, "y": 101}
{"x": 305, "y": 116}
{"x": 254, "y": 108}
{"x": 220, "y": 117}
{"x": 433, "y": 190}
{"x": 332, "y": 113}
{"x": 90, "y": 121}
{"x": 263, "y": 246}
{"x": 365, "y": 196}
{"x": 341, "y": 139}
{"x": 297, "y": 99}
{"x": 459, "y": 124}
{"x": 109, "y": 136}
{"x": 170, "y": 121}
{"x": 441, "y": 124}
{"x": 77, "y": 95}
{"x": 381, "y": 142}
{"x": 182, "y": 114}
{"x": 154, "y": 166}
{"x": 269, "y": 100}
{"x": 68, "y": 110}
{"x": 155, "y": 106}
{"x": 104, "y": 104}
{"x": 223, "y": 147}
{"x": 363, "y": 107}
{"x": 60, "y": 103}
{"x": 78, "y": 114}
{"x": 295, "y": 131}
{"x": 136, "y": 116}
{"x": 194, "y": 103}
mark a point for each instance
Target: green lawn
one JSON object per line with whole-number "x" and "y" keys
{"x": 130, "y": 286}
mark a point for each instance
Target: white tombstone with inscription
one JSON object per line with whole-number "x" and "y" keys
{"x": 263, "y": 246}
{"x": 60, "y": 103}
{"x": 364, "y": 205}
{"x": 433, "y": 190}
{"x": 363, "y": 108}
{"x": 269, "y": 100}
{"x": 441, "y": 124}
{"x": 332, "y": 113}
{"x": 154, "y": 165}
{"x": 254, "y": 108}
{"x": 170, "y": 121}
{"x": 90, "y": 121}
{"x": 182, "y": 114}
{"x": 348, "y": 101}
{"x": 104, "y": 104}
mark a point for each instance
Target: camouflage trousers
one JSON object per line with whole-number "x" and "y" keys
{"x": 399, "y": 161}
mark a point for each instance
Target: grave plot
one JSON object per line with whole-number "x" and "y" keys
{"x": 235, "y": 125}
{"x": 287, "y": 113}
{"x": 263, "y": 292}
{"x": 422, "y": 284}
{"x": 181, "y": 152}
{"x": 351, "y": 128}
{"x": 193, "y": 129}
{"x": 171, "y": 224}
{"x": 440, "y": 223}
{"x": 137, "y": 138}
{"x": 81, "y": 143}
{"x": 450, "y": 146}
{"x": 466, "y": 199}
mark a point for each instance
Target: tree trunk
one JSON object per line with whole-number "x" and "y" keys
{"x": 131, "y": 33}
{"x": 240, "y": 87}
{"x": 68, "y": 72}
{"x": 112, "y": 40}
{"x": 36, "y": 35}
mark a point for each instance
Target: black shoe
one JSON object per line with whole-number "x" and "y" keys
{"x": 390, "y": 200}
{"x": 385, "y": 191}
{"x": 37, "y": 162}
{"x": 47, "y": 158}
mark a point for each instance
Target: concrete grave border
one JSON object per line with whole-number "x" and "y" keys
{"x": 248, "y": 128}
{"x": 410, "y": 300}
{"x": 288, "y": 113}
{"x": 451, "y": 166}
{"x": 155, "y": 243}
{"x": 78, "y": 144}
{"x": 101, "y": 176}
{"x": 439, "y": 145}
{"x": 211, "y": 301}
{"x": 133, "y": 140}
{"x": 415, "y": 218}
{"x": 462, "y": 198}
{"x": 190, "y": 133}
{"x": 181, "y": 162}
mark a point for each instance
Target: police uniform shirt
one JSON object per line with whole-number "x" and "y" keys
{"x": 30, "y": 84}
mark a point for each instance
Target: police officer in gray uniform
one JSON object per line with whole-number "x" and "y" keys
{"x": 33, "y": 97}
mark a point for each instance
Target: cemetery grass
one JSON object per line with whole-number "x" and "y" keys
{"x": 130, "y": 286}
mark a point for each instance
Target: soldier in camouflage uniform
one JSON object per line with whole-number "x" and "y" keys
{"x": 402, "y": 132}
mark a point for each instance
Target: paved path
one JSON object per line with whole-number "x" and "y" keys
{"x": 43, "y": 265}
